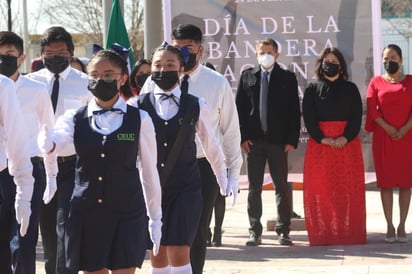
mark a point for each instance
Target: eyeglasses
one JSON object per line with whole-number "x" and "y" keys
{"x": 62, "y": 52}
{"x": 107, "y": 76}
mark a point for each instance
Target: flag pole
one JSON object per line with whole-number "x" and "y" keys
{"x": 107, "y": 5}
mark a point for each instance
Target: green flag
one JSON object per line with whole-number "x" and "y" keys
{"x": 117, "y": 32}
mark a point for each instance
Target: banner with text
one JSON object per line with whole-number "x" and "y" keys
{"x": 302, "y": 29}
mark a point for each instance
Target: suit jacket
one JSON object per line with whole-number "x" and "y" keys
{"x": 283, "y": 106}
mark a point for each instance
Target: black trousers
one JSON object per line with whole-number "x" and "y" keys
{"x": 260, "y": 153}
{"x": 53, "y": 217}
{"x": 210, "y": 191}
{"x": 219, "y": 210}
{"x": 18, "y": 254}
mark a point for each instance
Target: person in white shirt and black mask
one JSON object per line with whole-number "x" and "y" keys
{"x": 203, "y": 82}
{"x": 68, "y": 90}
{"x": 179, "y": 117}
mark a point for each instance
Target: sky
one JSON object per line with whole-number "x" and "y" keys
{"x": 35, "y": 24}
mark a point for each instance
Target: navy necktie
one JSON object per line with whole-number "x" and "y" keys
{"x": 166, "y": 96}
{"x": 55, "y": 91}
{"x": 101, "y": 111}
{"x": 263, "y": 104}
{"x": 184, "y": 86}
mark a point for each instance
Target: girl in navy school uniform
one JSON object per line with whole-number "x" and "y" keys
{"x": 181, "y": 192}
{"x": 107, "y": 224}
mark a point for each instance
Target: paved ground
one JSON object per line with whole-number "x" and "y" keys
{"x": 375, "y": 257}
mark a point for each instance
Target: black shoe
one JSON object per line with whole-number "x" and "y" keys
{"x": 296, "y": 216}
{"x": 254, "y": 240}
{"x": 285, "y": 240}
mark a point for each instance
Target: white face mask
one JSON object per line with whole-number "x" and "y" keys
{"x": 266, "y": 60}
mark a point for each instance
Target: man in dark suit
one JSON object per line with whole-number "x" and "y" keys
{"x": 269, "y": 115}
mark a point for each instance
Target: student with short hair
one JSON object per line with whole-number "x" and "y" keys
{"x": 67, "y": 88}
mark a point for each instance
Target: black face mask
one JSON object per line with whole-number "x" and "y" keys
{"x": 56, "y": 64}
{"x": 165, "y": 79}
{"x": 8, "y": 65}
{"x": 391, "y": 67}
{"x": 103, "y": 90}
{"x": 141, "y": 79}
{"x": 191, "y": 62}
{"x": 330, "y": 69}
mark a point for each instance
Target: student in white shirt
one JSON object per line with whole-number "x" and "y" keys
{"x": 14, "y": 154}
{"x": 56, "y": 51}
{"x": 108, "y": 219}
{"x": 215, "y": 89}
{"x": 172, "y": 113}
{"x": 37, "y": 110}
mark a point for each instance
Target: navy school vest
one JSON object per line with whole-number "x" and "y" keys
{"x": 106, "y": 172}
{"x": 185, "y": 174}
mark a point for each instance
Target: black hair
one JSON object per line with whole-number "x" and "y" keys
{"x": 209, "y": 65}
{"x": 78, "y": 61}
{"x": 343, "y": 72}
{"x": 135, "y": 69}
{"x": 56, "y": 34}
{"x": 270, "y": 42}
{"x": 172, "y": 49}
{"x": 118, "y": 61}
{"x": 395, "y": 48}
{"x": 10, "y": 38}
{"x": 187, "y": 31}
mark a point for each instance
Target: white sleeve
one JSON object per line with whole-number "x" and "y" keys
{"x": 63, "y": 130}
{"x": 47, "y": 118}
{"x": 209, "y": 142}
{"x": 229, "y": 127}
{"x": 15, "y": 141}
{"x": 147, "y": 164}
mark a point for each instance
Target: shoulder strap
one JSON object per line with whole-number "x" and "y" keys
{"x": 180, "y": 139}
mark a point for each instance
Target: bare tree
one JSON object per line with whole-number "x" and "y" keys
{"x": 85, "y": 17}
{"x": 398, "y": 14}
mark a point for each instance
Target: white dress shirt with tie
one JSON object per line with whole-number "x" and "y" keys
{"x": 73, "y": 94}
{"x": 167, "y": 109}
{"x": 107, "y": 123}
{"x": 224, "y": 121}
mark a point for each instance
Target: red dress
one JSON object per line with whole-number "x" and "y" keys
{"x": 334, "y": 190}
{"x": 392, "y": 158}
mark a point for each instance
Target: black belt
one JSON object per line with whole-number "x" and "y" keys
{"x": 36, "y": 160}
{"x": 64, "y": 159}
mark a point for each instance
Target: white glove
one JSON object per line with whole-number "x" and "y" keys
{"x": 51, "y": 188}
{"x": 222, "y": 182}
{"x": 23, "y": 212}
{"x": 155, "y": 230}
{"x": 44, "y": 139}
{"x": 233, "y": 189}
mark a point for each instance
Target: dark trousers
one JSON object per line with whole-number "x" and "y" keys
{"x": 219, "y": 210}
{"x": 209, "y": 194}
{"x": 53, "y": 218}
{"x": 260, "y": 153}
{"x": 18, "y": 254}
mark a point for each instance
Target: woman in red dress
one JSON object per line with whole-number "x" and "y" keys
{"x": 333, "y": 175}
{"x": 389, "y": 117}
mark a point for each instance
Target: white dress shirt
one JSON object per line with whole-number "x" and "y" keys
{"x": 73, "y": 93}
{"x": 224, "y": 121}
{"x": 37, "y": 111}
{"x": 107, "y": 123}
{"x": 14, "y": 149}
{"x": 167, "y": 109}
